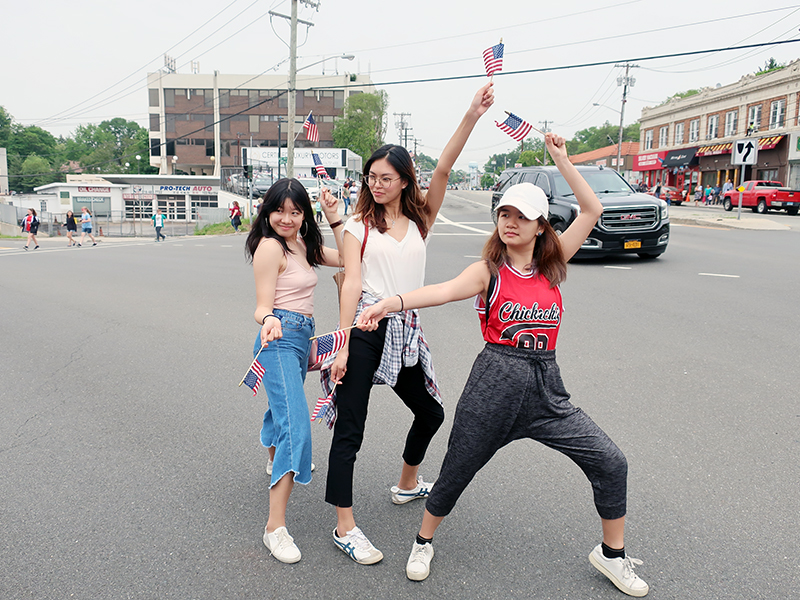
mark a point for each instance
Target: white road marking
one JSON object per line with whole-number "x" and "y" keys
{"x": 227, "y": 246}
{"x": 446, "y": 221}
{"x": 719, "y": 275}
{"x": 470, "y": 256}
{"x": 622, "y": 268}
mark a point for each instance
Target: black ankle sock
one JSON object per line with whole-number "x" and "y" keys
{"x": 422, "y": 541}
{"x": 609, "y": 552}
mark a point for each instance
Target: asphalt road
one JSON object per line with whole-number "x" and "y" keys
{"x": 132, "y": 468}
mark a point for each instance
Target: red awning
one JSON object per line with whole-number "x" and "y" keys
{"x": 768, "y": 143}
{"x": 765, "y": 143}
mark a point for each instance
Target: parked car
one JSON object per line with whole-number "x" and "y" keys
{"x": 261, "y": 183}
{"x": 675, "y": 195}
{"x": 761, "y": 196}
{"x": 632, "y": 222}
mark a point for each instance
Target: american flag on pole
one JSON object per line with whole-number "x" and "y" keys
{"x": 515, "y": 127}
{"x": 493, "y": 59}
{"x": 318, "y": 166}
{"x": 310, "y": 126}
{"x": 254, "y": 377}
{"x": 325, "y": 409}
{"x": 329, "y": 344}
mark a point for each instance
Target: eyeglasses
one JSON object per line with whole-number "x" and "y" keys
{"x": 372, "y": 181}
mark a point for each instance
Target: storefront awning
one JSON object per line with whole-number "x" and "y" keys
{"x": 765, "y": 143}
{"x": 681, "y": 158}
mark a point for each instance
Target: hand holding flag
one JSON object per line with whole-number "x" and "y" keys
{"x": 493, "y": 58}
{"x": 254, "y": 375}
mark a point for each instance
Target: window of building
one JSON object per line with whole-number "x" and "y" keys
{"x": 309, "y": 93}
{"x": 283, "y": 101}
{"x": 169, "y": 121}
{"x": 224, "y": 98}
{"x": 209, "y": 147}
{"x": 170, "y": 147}
{"x": 713, "y": 127}
{"x": 694, "y": 130}
{"x": 254, "y": 123}
{"x": 731, "y": 120}
{"x": 327, "y": 94}
{"x": 169, "y": 97}
{"x": 199, "y": 92}
{"x": 754, "y": 117}
{"x": 777, "y": 114}
{"x": 679, "y": 133}
{"x": 648, "y": 139}
{"x": 662, "y": 136}
{"x": 253, "y": 95}
{"x": 768, "y": 174}
{"x": 155, "y": 147}
{"x": 153, "y": 93}
{"x": 298, "y": 100}
{"x": 327, "y": 118}
{"x": 338, "y": 99}
{"x": 155, "y": 123}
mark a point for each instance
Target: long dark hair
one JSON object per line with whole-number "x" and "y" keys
{"x": 278, "y": 193}
{"x": 547, "y": 260}
{"x": 412, "y": 201}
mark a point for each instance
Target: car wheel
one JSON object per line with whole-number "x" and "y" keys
{"x": 677, "y": 202}
{"x": 726, "y": 204}
{"x": 559, "y": 227}
{"x": 762, "y": 207}
{"x": 791, "y": 211}
{"x": 649, "y": 255}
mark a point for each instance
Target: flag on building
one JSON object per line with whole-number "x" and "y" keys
{"x": 318, "y": 166}
{"x": 310, "y": 126}
{"x": 254, "y": 377}
{"x": 325, "y": 409}
{"x": 493, "y": 59}
{"x": 515, "y": 127}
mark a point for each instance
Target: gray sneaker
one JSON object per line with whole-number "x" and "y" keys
{"x": 421, "y": 490}
{"x": 418, "y": 566}
{"x": 281, "y": 545}
{"x": 356, "y": 545}
{"x": 620, "y": 572}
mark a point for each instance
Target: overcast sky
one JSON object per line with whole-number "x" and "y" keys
{"x": 78, "y": 62}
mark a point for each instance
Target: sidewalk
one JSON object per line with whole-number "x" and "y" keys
{"x": 715, "y": 216}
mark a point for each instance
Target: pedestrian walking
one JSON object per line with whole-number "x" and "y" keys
{"x": 698, "y": 193}
{"x": 384, "y": 254}
{"x": 236, "y": 216}
{"x": 285, "y": 245}
{"x": 72, "y": 228}
{"x": 158, "y": 223}
{"x": 30, "y": 225}
{"x": 515, "y": 390}
{"x": 86, "y": 226}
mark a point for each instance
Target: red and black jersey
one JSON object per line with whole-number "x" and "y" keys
{"x": 523, "y": 311}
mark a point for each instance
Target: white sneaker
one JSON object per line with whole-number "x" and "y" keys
{"x": 421, "y": 490}
{"x": 620, "y": 572}
{"x": 418, "y": 566}
{"x": 281, "y": 545}
{"x": 269, "y": 466}
{"x": 356, "y": 545}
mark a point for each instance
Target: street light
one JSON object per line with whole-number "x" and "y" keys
{"x": 293, "y": 70}
{"x": 138, "y": 164}
{"x": 174, "y": 164}
{"x": 619, "y": 143}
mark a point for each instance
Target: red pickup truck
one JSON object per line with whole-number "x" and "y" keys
{"x": 762, "y": 196}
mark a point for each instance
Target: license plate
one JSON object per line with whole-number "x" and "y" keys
{"x": 632, "y": 244}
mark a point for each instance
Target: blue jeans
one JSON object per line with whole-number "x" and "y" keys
{"x": 287, "y": 423}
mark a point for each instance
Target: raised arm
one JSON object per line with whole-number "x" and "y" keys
{"x": 483, "y": 99}
{"x": 472, "y": 280}
{"x": 591, "y": 208}
{"x": 330, "y": 206}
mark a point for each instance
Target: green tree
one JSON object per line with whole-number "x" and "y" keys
{"x": 35, "y": 171}
{"x": 5, "y": 127}
{"x": 362, "y": 126}
{"x": 487, "y": 180}
{"x": 105, "y": 148}
{"x": 607, "y": 134}
{"x": 425, "y": 162}
{"x": 770, "y": 66}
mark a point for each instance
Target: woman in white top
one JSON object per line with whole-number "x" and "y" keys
{"x": 395, "y": 216}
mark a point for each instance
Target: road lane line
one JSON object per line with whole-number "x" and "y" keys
{"x": 621, "y": 268}
{"x": 719, "y": 275}
{"x": 446, "y": 221}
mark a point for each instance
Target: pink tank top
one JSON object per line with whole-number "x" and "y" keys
{"x": 294, "y": 289}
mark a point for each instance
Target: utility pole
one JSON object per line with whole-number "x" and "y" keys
{"x": 624, "y": 82}
{"x": 293, "y": 20}
{"x": 402, "y": 127}
{"x": 545, "y": 129}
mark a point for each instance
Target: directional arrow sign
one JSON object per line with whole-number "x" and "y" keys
{"x": 745, "y": 152}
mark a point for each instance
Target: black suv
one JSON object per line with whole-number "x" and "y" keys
{"x": 632, "y": 223}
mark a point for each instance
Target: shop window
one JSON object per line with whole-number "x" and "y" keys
{"x": 768, "y": 174}
{"x": 777, "y": 114}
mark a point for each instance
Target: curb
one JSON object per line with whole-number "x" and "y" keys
{"x": 731, "y": 223}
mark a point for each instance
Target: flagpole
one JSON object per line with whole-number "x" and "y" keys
{"x": 251, "y": 365}
{"x": 532, "y": 127}
{"x": 301, "y": 129}
{"x": 329, "y": 333}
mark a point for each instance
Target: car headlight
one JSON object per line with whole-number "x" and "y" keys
{"x": 664, "y": 211}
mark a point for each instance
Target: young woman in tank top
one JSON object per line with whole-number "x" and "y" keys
{"x": 284, "y": 245}
{"x": 514, "y": 390}
{"x": 384, "y": 254}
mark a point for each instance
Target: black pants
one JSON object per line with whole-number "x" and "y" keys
{"x": 352, "y": 399}
{"x": 512, "y": 394}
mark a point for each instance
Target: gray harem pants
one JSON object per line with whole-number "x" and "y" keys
{"x": 515, "y": 393}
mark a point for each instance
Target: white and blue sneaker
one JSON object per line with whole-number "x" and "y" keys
{"x": 421, "y": 490}
{"x": 356, "y": 545}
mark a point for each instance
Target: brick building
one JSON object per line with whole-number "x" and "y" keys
{"x": 607, "y": 157}
{"x": 200, "y": 122}
{"x": 689, "y": 140}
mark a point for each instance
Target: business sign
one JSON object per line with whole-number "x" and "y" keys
{"x": 649, "y": 161}
{"x": 95, "y": 190}
{"x": 138, "y": 196}
{"x": 268, "y": 156}
{"x": 186, "y": 189}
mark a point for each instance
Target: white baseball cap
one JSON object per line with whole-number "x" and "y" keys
{"x": 527, "y": 198}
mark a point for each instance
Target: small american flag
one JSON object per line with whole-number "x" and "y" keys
{"x": 515, "y": 127}
{"x": 325, "y": 409}
{"x": 493, "y": 59}
{"x": 254, "y": 377}
{"x": 310, "y": 126}
{"x": 329, "y": 344}
{"x": 318, "y": 166}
